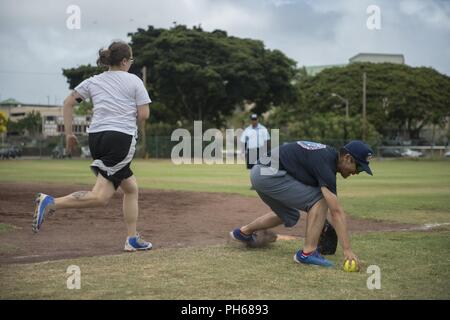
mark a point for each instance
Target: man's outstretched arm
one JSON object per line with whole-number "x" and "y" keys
{"x": 339, "y": 222}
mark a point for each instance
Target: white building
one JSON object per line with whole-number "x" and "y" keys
{"x": 378, "y": 58}
{"x": 360, "y": 57}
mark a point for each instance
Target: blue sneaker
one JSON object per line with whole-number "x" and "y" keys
{"x": 314, "y": 258}
{"x": 42, "y": 203}
{"x": 136, "y": 244}
{"x": 237, "y": 235}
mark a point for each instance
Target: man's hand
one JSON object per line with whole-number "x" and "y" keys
{"x": 349, "y": 255}
{"x": 71, "y": 142}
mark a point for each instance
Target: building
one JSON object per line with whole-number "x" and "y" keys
{"x": 378, "y": 58}
{"x": 360, "y": 57}
{"x": 314, "y": 70}
{"x": 52, "y": 117}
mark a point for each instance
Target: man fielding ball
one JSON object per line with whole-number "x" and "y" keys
{"x": 306, "y": 181}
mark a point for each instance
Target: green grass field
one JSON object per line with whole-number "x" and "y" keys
{"x": 414, "y": 265}
{"x": 403, "y": 191}
{"x": 231, "y": 272}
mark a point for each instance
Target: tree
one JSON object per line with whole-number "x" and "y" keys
{"x": 32, "y": 123}
{"x": 199, "y": 75}
{"x": 84, "y": 108}
{"x": 76, "y": 75}
{"x": 398, "y": 96}
{"x": 3, "y": 122}
{"x": 322, "y": 127}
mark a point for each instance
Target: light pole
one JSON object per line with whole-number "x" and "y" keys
{"x": 346, "y": 113}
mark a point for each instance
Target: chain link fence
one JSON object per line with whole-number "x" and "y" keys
{"x": 161, "y": 147}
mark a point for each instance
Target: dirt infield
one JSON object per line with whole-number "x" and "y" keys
{"x": 167, "y": 219}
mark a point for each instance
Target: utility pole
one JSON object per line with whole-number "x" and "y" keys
{"x": 43, "y": 125}
{"x": 364, "y": 133}
{"x": 143, "y": 130}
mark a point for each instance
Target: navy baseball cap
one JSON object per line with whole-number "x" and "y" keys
{"x": 361, "y": 152}
{"x": 254, "y": 116}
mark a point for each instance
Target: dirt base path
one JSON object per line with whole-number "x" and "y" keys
{"x": 167, "y": 219}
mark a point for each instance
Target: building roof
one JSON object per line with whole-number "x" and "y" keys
{"x": 28, "y": 105}
{"x": 313, "y": 70}
{"x": 368, "y": 54}
{"x": 10, "y": 101}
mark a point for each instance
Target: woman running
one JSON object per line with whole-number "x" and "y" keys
{"x": 120, "y": 100}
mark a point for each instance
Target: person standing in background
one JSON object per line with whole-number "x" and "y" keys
{"x": 255, "y": 139}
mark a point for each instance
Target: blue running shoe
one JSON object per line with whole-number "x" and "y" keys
{"x": 136, "y": 243}
{"x": 314, "y": 258}
{"x": 40, "y": 210}
{"x": 237, "y": 235}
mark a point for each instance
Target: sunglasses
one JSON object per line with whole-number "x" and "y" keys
{"x": 359, "y": 168}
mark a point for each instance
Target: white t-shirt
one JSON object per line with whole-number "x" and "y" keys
{"x": 255, "y": 137}
{"x": 115, "y": 96}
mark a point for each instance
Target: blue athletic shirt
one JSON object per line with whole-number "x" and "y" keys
{"x": 311, "y": 163}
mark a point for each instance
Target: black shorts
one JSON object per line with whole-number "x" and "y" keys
{"x": 112, "y": 152}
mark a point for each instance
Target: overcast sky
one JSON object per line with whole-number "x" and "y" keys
{"x": 36, "y": 43}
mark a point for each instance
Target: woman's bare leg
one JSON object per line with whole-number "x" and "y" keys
{"x": 98, "y": 197}
{"x": 130, "y": 204}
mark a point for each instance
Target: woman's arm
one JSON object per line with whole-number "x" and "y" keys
{"x": 143, "y": 113}
{"x": 69, "y": 103}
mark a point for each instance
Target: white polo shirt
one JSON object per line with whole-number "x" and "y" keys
{"x": 255, "y": 137}
{"x": 115, "y": 96}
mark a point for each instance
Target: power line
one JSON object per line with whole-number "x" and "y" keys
{"x": 31, "y": 72}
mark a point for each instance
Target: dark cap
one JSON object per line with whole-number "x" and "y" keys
{"x": 254, "y": 116}
{"x": 361, "y": 152}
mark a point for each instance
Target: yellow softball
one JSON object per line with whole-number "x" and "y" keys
{"x": 351, "y": 266}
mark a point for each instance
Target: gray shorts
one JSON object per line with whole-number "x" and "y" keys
{"x": 284, "y": 194}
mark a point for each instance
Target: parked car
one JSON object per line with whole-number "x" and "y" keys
{"x": 59, "y": 152}
{"x": 4, "y": 153}
{"x": 15, "y": 152}
{"x": 409, "y": 153}
{"x": 447, "y": 154}
{"x": 391, "y": 152}
{"x": 10, "y": 152}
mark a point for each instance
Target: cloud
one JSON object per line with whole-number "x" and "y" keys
{"x": 34, "y": 37}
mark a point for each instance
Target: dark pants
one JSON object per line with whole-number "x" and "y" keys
{"x": 257, "y": 156}
{"x": 252, "y": 157}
